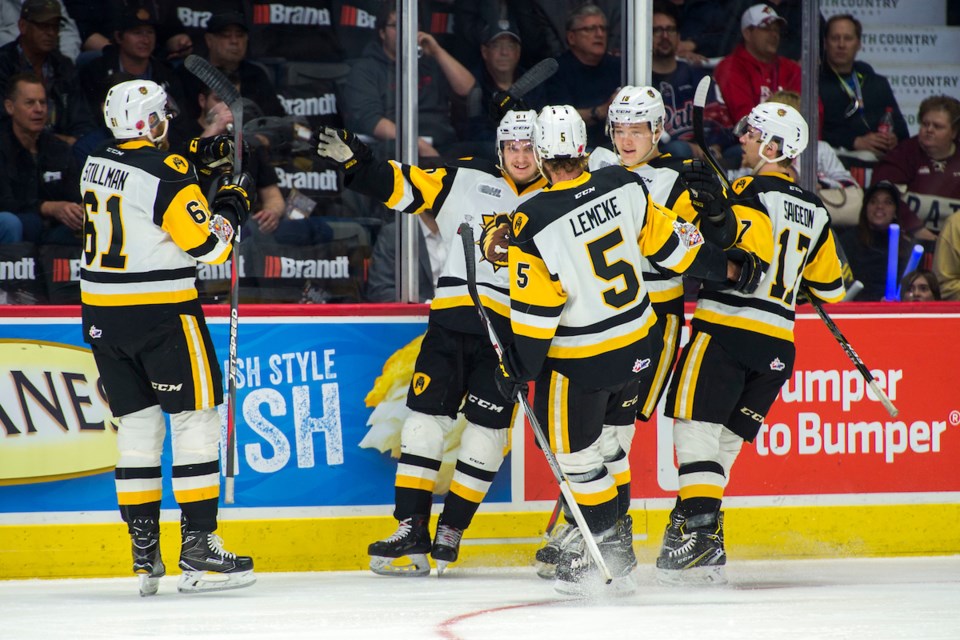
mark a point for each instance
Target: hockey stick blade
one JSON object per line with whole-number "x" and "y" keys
{"x": 469, "y": 249}
{"x": 213, "y": 78}
{"x": 700, "y": 135}
{"x": 538, "y": 74}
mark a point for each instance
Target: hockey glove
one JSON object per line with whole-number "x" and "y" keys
{"x": 508, "y": 378}
{"x": 343, "y": 149}
{"x": 751, "y": 270}
{"x": 233, "y": 196}
{"x": 501, "y": 102}
{"x": 209, "y": 153}
{"x": 706, "y": 194}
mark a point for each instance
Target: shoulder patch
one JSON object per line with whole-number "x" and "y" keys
{"x": 520, "y": 220}
{"x": 177, "y": 163}
{"x": 741, "y": 184}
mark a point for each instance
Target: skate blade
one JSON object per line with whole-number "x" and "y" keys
{"x": 594, "y": 586}
{"x": 546, "y": 570}
{"x": 209, "y": 581}
{"x": 441, "y": 566}
{"x": 414, "y": 565}
{"x": 702, "y": 576}
{"x": 149, "y": 585}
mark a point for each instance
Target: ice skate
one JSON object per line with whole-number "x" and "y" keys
{"x": 446, "y": 546}
{"x": 579, "y": 575}
{"x": 147, "y": 564}
{"x": 207, "y": 566}
{"x": 700, "y": 558}
{"x": 409, "y": 545}
{"x": 672, "y": 538}
{"x": 548, "y": 555}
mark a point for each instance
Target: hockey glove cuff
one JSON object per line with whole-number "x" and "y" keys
{"x": 751, "y": 270}
{"x": 210, "y": 153}
{"x": 508, "y": 376}
{"x": 501, "y": 102}
{"x": 343, "y": 149}
{"x": 233, "y": 196}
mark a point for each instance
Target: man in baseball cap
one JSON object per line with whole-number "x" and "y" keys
{"x": 41, "y": 11}
{"x": 760, "y": 16}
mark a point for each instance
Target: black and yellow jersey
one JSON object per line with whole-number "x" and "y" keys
{"x": 578, "y": 301}
{"x": 788, "y": 228}
{"x": 472, "y": 191}
{"x": 146, "y": 226}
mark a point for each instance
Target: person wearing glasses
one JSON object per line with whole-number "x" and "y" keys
{"x": 588, "y": 76}
{"x": 854, "y": 96}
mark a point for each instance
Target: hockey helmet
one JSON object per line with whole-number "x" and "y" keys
{"x": 559, "y": 133}
{"x": 636, "y": 105}
{"x": 515, "y": 125}
{"x": 779, "y": 123}
{"x": 133, "y": 108}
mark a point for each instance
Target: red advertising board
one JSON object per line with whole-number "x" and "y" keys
{"x": 827, "y": 433}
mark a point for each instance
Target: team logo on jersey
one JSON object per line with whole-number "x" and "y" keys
{"x": 94, "y": 332}
{"x": 640, "y": 365}
{"x": 777, "y": 365}
{"x": 520, "y": 220}
{"x": 689, "y": 234}
{"x": 177, "y": 163}
{"x": 741, "y": 184}
{"x": 494, "y": 238}
{"x": 420, "y": 383}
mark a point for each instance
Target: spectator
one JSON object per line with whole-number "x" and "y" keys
{"x": 791, "y": 35}
{"x": 919, "y": 286}
{"x": 754, "y": 70}
{"x": 371, "y": 100}
{"x": 854, "y": 96}
{"x": 867, "y": 245}
{"x": 382, "y": 277}
{"x": 840, "y": 192}
{"x": 559, "y": 10}
{"x": 39, "y": 187}
{"x": 183, "y": 25}
{"x": 946, "y": 259}
{"x": 35, "y": 52}
{"x": 588, "y": 76}
{"x": 474, "y": 20}
{"x": 10, "y": 16}
{"x": 703, "y": 28}
{"x": 135, "y": 40}
{"x": 677, "y": 82}
{"x": 926, "y": 167}
{"x": 227, "y": 38}
{"x": 501, "y": 53}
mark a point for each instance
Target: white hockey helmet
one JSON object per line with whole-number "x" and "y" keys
{"x": 559, "y": 133}
{"x": 636, "y": 105}
{"x": 779, "y": 123}
{"x": 515, "y": 125}
{"x": 133, "y": 108}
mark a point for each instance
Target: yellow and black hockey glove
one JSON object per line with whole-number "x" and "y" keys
{"x": 233, "y": 196}
{"x": 210, "y": 153}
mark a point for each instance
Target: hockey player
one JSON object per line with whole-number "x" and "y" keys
{"x": 146, "y": 226}
{"x": 454, "y": 371}
{"x": 742, "y": 351}
{"x": 635, "y": 124}
{"x": 583, "y": 325}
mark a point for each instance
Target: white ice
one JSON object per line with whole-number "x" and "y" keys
{"x": 915, "y": 598}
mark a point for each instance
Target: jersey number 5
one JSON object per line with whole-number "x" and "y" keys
{"x": 112, "y": 258}
{"x": 620, "y": 269}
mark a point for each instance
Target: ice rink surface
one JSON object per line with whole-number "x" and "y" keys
{"x": 863, "y": 599}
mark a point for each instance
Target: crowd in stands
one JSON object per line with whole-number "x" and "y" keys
{"x": 299, "y": 64}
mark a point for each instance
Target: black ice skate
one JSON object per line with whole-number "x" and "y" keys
{"x": 578, "y": 574}
{"x": 410, "y": 544}
{"x": 446, "y": 546}
{"x": 147, "y": 564}
{"x": 672, "y": 538}
{"x": 700, "y": 557}
{"x": 207, "y": 566}
{"x": 548, "y": 555}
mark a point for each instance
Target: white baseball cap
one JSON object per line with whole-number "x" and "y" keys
{"x": 759, "y": 15}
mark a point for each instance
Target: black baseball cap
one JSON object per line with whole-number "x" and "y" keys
{"x": 220, "y": 21}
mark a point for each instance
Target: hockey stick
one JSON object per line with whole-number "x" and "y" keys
{"x": 219, "y": 84}
{"x": 469, "y": 247}
{"x": 699, "y": 101}
{"x": 536, "y": 75}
